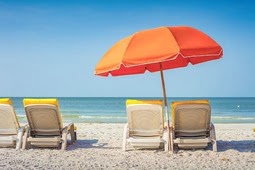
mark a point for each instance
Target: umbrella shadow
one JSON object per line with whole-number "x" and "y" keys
{"x": 90, "y": 143}
{"x": 240, "y": 145}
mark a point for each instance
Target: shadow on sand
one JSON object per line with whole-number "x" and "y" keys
{"x": 92, "y": 143}
{"x": 240, "y": 145}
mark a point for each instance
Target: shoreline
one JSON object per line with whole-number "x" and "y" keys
{"x": 99, "y": 147}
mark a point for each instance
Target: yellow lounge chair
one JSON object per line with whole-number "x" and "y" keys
{"x": 191, "y": 125}
{"x": 45, "y": 124}
{"x": 10, "y": 131}
{"x": 145, "y": 127}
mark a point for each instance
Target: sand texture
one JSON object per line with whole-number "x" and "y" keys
{"x": 99, "y": 147}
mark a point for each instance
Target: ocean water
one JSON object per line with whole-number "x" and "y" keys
{"x": 113, "y": 110}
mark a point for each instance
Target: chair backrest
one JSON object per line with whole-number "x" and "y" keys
{"x": 191, "y": 118}
{"x": 43, "y": 116}
{"x": 145, "y": 117}
{"x": 9, "y": 123}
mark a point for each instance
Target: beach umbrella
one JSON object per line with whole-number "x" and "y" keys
{"x": 158, "y": 49}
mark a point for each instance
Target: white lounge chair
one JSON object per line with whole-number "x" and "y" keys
{"x": 145, "y": 127}
{"x": 10, "y": 131}
{"x": 191, "y": 125}
{"x": 45, "y": 124}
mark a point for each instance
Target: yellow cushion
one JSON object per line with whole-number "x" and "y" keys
{"x": 130, "y": 102}
{"x": 6, "y": 101}
{"x": 189, "y": 102}
{"x": 176, "y": 103}
{"x": 40, "y": 101}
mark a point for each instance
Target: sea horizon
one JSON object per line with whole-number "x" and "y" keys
{"x": 113, "y": 109}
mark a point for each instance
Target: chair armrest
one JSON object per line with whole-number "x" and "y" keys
{"x": 25, "y": 126}
{"x": 68, "y": 126}
{"x": 211, "y": 126}
{"x": 66, "y": 130}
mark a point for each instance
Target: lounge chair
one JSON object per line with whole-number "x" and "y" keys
{"x": 45, "y": 124}
{"x": 191, "y": 125}
{"x": 10, "y": 131}
{"x": 145, "y": 127}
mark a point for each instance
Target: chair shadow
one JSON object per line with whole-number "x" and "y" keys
{"x": 222, "y": 146}
{"x": 90, "y": 143}
{"x": 240, "y": 145}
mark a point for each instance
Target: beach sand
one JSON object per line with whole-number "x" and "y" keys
{"x": 99, "y": 147}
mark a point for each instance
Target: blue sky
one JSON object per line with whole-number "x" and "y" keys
{"x": 50, "y": 48}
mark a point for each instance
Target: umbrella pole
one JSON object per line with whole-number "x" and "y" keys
{"x": 164, "y": 94}
{"x": 164, "y": 89}
{"x": 165, "y": 104}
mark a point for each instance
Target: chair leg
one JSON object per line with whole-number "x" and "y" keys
{"x": 213, "y": 138}
{"x": 24, "y": 142}
{"x": 171, "y": 141}
{"x": 124, "y": 143}
{"x": 166, "y": 140}
{"x": 19, "y": 138}
{"x": 214, "y": 145}
{"x": 73, "y": 135}
{"x": 64, "y": 139}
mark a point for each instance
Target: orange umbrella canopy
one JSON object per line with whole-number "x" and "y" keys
{"x": 158, "y": 49}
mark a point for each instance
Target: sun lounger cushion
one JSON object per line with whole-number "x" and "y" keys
{"x": 6, "y": 101}
{"x": 129, "y": 102}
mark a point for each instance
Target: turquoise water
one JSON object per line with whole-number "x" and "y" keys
{"x": 112, "y": 109}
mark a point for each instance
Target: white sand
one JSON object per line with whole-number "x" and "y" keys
{"x": 99, "y": 147}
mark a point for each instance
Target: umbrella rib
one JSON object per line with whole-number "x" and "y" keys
{"x": 199, "y": 55}
{"x": 173, "y": 58}
{"x": 127, "y": 49}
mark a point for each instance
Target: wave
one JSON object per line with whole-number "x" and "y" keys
{"x": 21, "y": 116}
{"x": 103, "y": 117}
{"x": 233, "y": 117}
